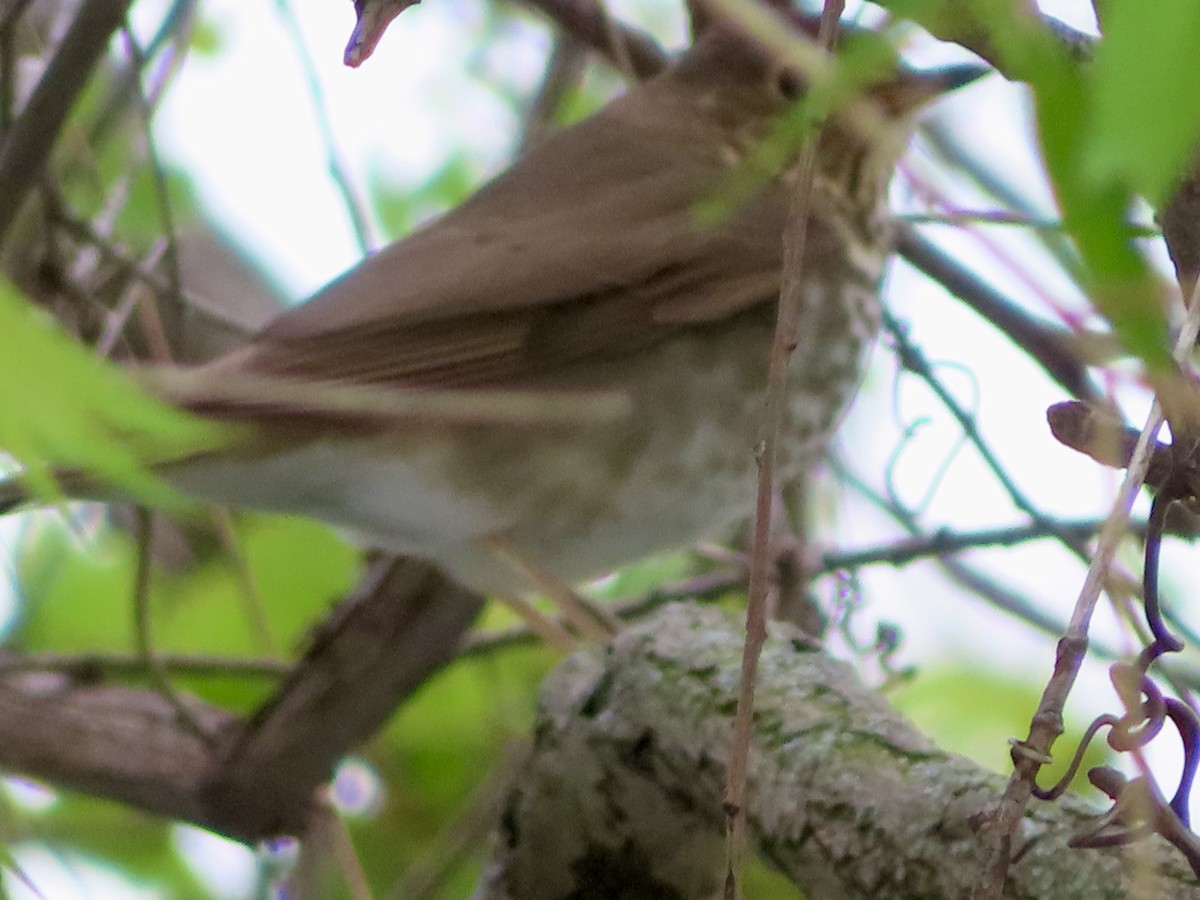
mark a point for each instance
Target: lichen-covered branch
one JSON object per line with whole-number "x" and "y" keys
{"x": 847, "y": 799}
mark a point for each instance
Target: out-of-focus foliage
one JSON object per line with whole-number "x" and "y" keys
{"x": 945, "y": 703}
{"x": 65, "y": 407}
{"x": 1110, "y": 131}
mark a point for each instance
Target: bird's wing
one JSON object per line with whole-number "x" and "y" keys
{"x": 588, "y": 247}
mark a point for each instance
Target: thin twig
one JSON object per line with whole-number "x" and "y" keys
{"x": 356, "y": 209}
{"x": 587, "y": 21}
{"x": 8, "y": 62}
{"x": 118, "y": 319}
{"x": 172, "y": 28}
{"x": 564, "y": 68}
{"x": 943, "y": 142}
{"x": 1047, "y": 721}
{"x": 960, "y": 217}
{"x": 619, "y": 46}
{"x": 154, "y": 669}
{"x": 28, "y": 142}
{"x": 344, "y": 852}
{"x": 1047, "y": 346}
{"x": 82, "y": 230}
{"x": 162, "y": 194}
{"x": 944, "y": 542}
{"x": 87, "y": 666}
{"x": 793, "y": 300}
{"x": 252, "y": 602}
{"x": 914, "y": 360}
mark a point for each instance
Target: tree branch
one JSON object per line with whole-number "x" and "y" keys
{"x": 406, "y": 623}
{"x": 847, "y": 799}
{"x": 27, "y": 144}
{"x": 246, "y": 779}
{"x": 123, "y": 743}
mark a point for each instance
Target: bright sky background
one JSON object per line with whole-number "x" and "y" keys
{"x": 242, "y": 123}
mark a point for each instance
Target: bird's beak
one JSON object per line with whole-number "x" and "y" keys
{"x": 908, "y": 90}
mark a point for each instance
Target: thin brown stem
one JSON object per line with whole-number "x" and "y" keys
{"x": 588, "y": 23}
{"x": 1047, "y": 721}
{"x": 356, "y": 209}
{"x": 125, "y": 665}
{"x": 154, "y": 668}
{"x": 792, "y": 302}
{"x": 28, "y": 142}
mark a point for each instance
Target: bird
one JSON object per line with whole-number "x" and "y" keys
{"x": 582, "y": 270}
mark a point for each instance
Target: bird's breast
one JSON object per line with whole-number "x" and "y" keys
{"x": 582, "y": 500}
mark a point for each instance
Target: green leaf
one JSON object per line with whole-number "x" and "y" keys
{"x": 74, "y": 601}
{"x": 1146, "y": 119}
{"x": 945, "y": 704}
{"x": 864, "y": 59}
{"x": 208, "y": 39}
{"x": 63, "y": 406}
{"x": 81, "y": 600}
{"x": 1095, "y": 199}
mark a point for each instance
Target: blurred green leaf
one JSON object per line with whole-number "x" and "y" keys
{"x": 207, "y": 39}
{"x": 74, "y": 599}
{"x": 863, "y": 59}
{"x": 400, "y": 208}
{"x": 1147, "y": 120}
{"x": 1095, "y": 201}
{"x": 79, "y": 599}
{"x": 65, "y": 407}
{"x": 946, "y": 704}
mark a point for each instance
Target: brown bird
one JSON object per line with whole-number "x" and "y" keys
{"x": 583, "y": 268}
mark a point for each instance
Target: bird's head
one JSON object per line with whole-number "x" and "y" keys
{"x": 758, "y": 82}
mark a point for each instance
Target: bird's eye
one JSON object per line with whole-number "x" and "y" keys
{"x": 786, "y": 83}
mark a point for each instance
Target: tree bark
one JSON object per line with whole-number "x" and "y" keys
{"x": 622, "y": 796}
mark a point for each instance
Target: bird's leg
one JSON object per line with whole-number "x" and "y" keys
{"x": 545, "y": 628}
{"x": 591, "y": 621}
{"x": 797, "y": 558}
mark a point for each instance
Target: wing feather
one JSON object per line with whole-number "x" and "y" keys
{"x": 587, "y": 248}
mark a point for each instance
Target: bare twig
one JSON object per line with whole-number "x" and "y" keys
{"x": 27, "y": 143}
{"x": 943, "y": 143}
{"x": 356, "y": 210}
{"x": 90, "y": 666}
{"x": 1047, "y": 721}
{"x": 173, "y": 28}
{"x": 587, "y": 21}
{"x": 794, "y": 300}
{"x": 914, "y": 360}
{"x": 564, "y": 68}
{"x": 114, "y": 255}
{"x": 158, "y": 675}
{"x": 162, "y": 194}
{"x": 1049, "y": 347}
{"x": 8, "y": 61}
{"x": 944, "y": 542}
